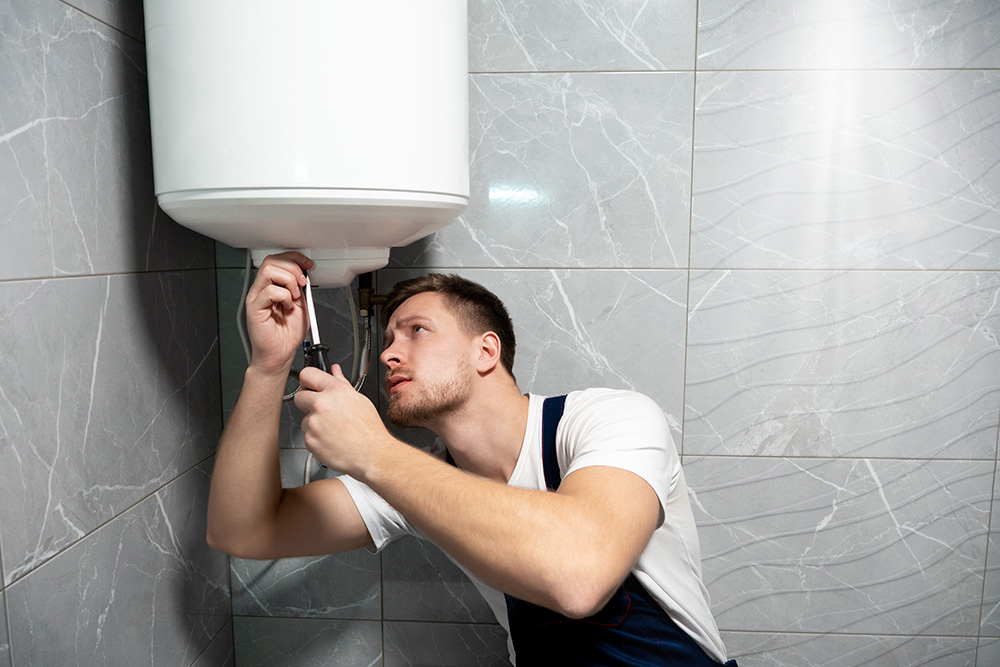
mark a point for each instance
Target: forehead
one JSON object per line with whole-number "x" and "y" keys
{"x": 430, "y": 306}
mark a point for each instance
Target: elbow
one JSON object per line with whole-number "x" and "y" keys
{"x": 222, "y": 542}
{"x": 217, "y": 541}
{"x": 582, "y": 597}
{"x": 581, "y": 604}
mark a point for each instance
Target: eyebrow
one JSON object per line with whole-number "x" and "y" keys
{"x": 387, "y": 336}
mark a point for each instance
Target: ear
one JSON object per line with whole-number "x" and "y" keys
{"x": 489, "y": 352}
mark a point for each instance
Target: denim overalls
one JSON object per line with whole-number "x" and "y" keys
{"x": 631, "y": 630}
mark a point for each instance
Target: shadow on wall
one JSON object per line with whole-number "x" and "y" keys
{"x": 176, "y": 302}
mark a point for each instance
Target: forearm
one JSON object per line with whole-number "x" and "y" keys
{"x": 553, "y": 549}
{"x": 246, "y": 481}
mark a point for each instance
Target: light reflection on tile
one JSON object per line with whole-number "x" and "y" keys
{"x": 893, "y": 170}
{"x": 783, "y": 34}
{"x": 572, "y": 170}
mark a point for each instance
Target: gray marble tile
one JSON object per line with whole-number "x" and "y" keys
{"x": 108, "y": 390}
{"x": 577, "y": 329}
{"x": 990, "y": 617}
{"x": 843, "y": 546}
{"x": 886, "y": 169}
{"x": 232, "y": 356}
{"x": 75, "y": 155}
{"x": 988, "y": 654}
{"x": 802, "y": 363}
{"x": 773, "y": 34}
{"x": 144, "y": 589}
{"x": 513, "y": 35}
{"x": 422, "y": 584}
{"x": 581, "y": 170}
{"x": 4, "y": 639}
{"x": 769, "y": 649}
{"x": 220, "y": 653}
{"x": 229, "y": 257}
{"x": 445, "y": 645}
{"x": 265, "y": 642}
{"x": 342, "y": 586}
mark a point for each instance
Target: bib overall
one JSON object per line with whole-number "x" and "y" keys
{"x": 631, "y": 630}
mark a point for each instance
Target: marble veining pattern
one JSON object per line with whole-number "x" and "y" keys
{"x": 990, "y": 617}
{"x": 102, "y": 400}
{"x": 789, "y": 650}
{"x": 445, "y": 645}
{"x": 514, "y": 35}
{"x": 891, "y": 364}
{"x": 343, "y": 586}
{"x": 144, "y": 589}
{"x": 265, "y": 642}
{"x": 797, "y": 257}
{"x": 768, "y": 34}
{"x": 894, "y": 170}
{"x": 422, "y": 584}
{"x": 567, "y": 340}
{"x": 75, "y": 155}
{"x": 843, "y": 545}
{"x": 580, "y": 170}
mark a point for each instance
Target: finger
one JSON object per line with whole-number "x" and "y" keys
{"x": 288, "y": 259}
{"x": 268, "y": 296}
{"x": 294, "y": 262}
{"x": 314, "y": 379}
{"x": 304, "y": 401}
{"x": 337, "y": 372}
{"x": 288, "y": 275}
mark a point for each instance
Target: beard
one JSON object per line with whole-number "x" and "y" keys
{"x": 429, "y": 403}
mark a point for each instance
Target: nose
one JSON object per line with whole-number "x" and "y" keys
{"x": 390, "y": 356}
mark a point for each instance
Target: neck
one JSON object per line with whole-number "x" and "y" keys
{"x": 485, "y": 436}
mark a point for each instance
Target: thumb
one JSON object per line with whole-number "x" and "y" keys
{"x": 337, "y": 372}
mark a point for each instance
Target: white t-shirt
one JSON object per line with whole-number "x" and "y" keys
{"x": 602, "y": 427}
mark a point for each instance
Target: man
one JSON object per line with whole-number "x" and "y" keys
{"x": 603, "y": 570}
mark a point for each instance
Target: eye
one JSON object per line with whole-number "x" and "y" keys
{"x": 418, "y": 328}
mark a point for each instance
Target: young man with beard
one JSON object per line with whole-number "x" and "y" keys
{"x": 574, "y": 507}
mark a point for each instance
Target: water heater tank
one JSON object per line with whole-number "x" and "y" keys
{"x": 335, "y": 127}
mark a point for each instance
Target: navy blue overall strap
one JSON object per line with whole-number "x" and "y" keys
{"x": 552, "y": 410}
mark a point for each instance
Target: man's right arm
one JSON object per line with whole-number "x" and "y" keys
{"x": 249, "y": 514}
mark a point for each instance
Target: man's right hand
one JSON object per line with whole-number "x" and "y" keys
{"x": 277, "y": 319}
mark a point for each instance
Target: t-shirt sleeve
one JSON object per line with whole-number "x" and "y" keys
{"x": 384, "y": 523}
{"x": 621, "y": 429}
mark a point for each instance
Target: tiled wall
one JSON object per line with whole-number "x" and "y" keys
{"x": 109, "y": 369}
{"x": 781, "y": 219}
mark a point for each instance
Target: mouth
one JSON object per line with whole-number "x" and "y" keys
{"x": 393, "y": 382}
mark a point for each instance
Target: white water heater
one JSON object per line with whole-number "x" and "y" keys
{"x": 335, "y": 127}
